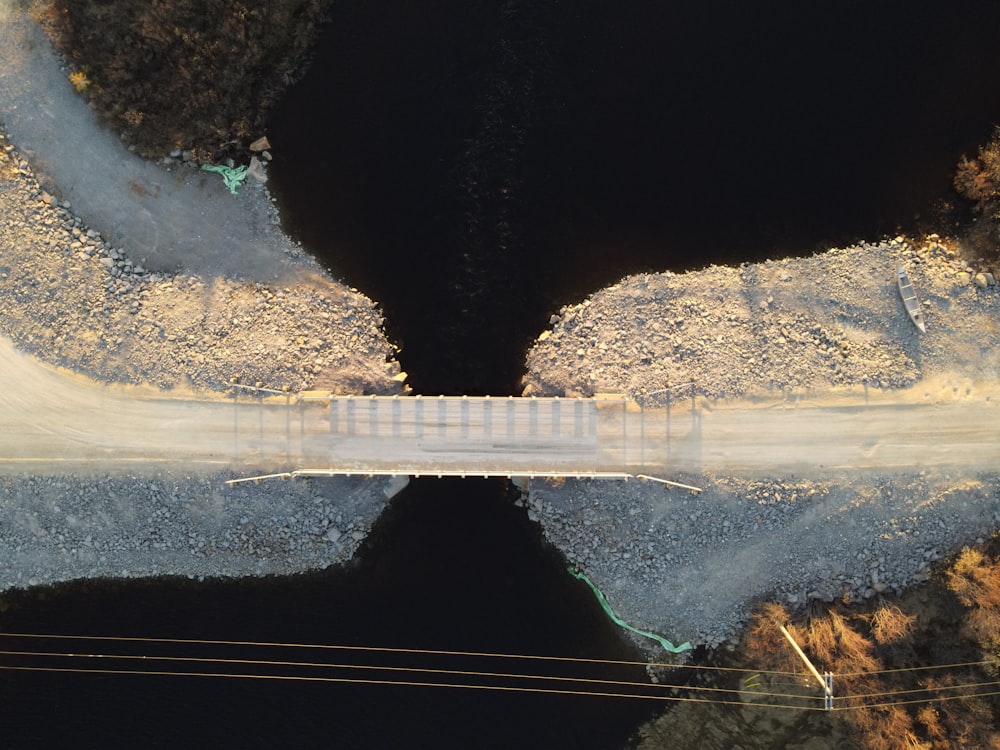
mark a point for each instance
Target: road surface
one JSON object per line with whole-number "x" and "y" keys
{"x": 54, "y": 421}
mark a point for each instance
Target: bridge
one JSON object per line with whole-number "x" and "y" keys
{"x": 608, "y": 435}
{"x": 55, "y": 422}
{"x": 652, "y": 436}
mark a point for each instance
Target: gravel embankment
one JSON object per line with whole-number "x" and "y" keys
{"x": 790, "y": 324}
{"x": 690, "y": 566}
{"x": 63, "y": 528}
{"x": 77, "y": 301}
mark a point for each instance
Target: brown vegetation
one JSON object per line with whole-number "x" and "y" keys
{"x": 886, "y": 703}
{"x": 890, "y": 624}
{"x": 975, "y": 580}
{"x": 899, "y": 680}
{"x": 978, "y": 180}
{"x": 189, "y": 74}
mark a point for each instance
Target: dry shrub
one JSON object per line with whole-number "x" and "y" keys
{"x": 765, "y": 646}
{"x": 973, "y": 182}
{"x": 979, "y": 179}
{"x": 821, "y": 641}
{"x": 838, "y": 642}
{"x": 852, "y": 645}
{"x": 890, "y": 624}
{"x": 975, "y": 581}
{"x": 839, "y": 647}
{"x": 929, "y": 718}
{"x": 886, "y": 728}
{"x": 855, "y": 650}
{"x": 962, "y": 722}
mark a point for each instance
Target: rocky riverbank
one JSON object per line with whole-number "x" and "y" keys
{"x": 794, "y": 324}
{"x": 76, "y": 300}
{"x": 196, "y": 288}
{"x": 690, "y": 566}
{"x": 135, "y": 273}
{"x": 129, "y": 526}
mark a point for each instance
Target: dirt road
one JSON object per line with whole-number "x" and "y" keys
{"x": 56, "y": 419}
{"x": 887, "y": 433}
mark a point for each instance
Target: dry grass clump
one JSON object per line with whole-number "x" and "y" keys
{"x": 79, "y": 80}
{"x": 8, "y": 169}
{"x": 890, "y": 624}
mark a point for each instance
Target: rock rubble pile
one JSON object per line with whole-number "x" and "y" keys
{"x": 77, "y": 301}
{"x": 785, "y": 325}
{"x": 68, "y": 527}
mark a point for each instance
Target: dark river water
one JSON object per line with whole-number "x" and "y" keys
{"x": 473, "y": 166}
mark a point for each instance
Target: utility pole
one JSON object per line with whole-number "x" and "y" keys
{"x": 825, "y": 680}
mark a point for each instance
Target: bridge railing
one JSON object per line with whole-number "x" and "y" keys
{"x": 604, "y": 435}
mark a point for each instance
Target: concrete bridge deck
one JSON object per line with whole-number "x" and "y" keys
{"x": 462, "y": 435}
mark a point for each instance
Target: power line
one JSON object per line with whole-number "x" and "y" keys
{"x": 468, "y": 673}
{"x": 388, "y": 668}
{"x": 939, "y": 688}
{"x": 404, "y": 683}
{"x": 382, "y": 649}
{"x": 501, "y": 688}
{"x": 918, "y": 669}
{"x": 840, "y": 700}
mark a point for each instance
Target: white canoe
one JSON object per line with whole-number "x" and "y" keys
{"x": 910, "y": 299}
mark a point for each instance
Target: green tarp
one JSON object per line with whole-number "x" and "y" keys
{"x": 611, "y": 613}
{"x": 232, "y": 176}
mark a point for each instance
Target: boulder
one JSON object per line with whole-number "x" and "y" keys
{"x": 256, "y": 170}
